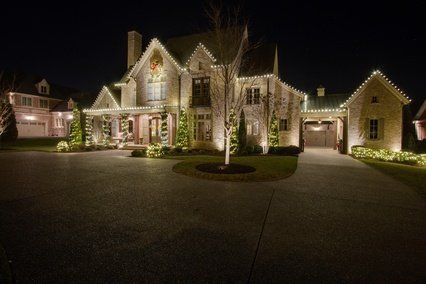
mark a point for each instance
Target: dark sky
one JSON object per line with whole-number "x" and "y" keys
{"x": 336, "y": 44}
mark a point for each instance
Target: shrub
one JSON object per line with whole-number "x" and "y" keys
{"x": 257, "y": 149}
{"x": 385, "y": 155}
{"x": 63, "y": 146}
{"x": 285, "y": 151}
{"x": 177, "y": 149}
{"x": 139, "y": 153}
{"x": 155, "y": 150}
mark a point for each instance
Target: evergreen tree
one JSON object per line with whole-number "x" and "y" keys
{"x": 234, "y": 136}
{"x": 182, "y": 139}
{"x": 8, "y": 130}
{"x": 242, "y": 134}
{"x": 76, "y": 133}
{"x": 273, "y": 137}
{"x": 106, "y": 130}
{"x": 124, "y": 127}
{"x": 89, "y": 131}
{"x": 164, "y": 130}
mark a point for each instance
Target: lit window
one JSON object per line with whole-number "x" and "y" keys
{"x": 202, "y": 127}
{"x": 374, "y": 129}
{"x": 283, "y": 126}
{"x": 252, "y": 127}
{"x": 156, "y": 91}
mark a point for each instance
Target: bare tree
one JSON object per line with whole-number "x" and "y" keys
{"x": 227, "y": 90}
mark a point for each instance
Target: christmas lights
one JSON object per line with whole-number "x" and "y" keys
{"x": 360, "y": 152}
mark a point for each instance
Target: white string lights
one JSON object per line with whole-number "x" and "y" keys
{"x": 373, "y": 74}
{"x": 105, "y": 89}
{"x": 127, "y": 108}
{"x": 204, "y": 48}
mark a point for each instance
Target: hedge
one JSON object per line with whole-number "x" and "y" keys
{"x": 385, "y": 155}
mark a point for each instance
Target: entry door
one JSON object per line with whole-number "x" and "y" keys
{"x": 155, "y": 130}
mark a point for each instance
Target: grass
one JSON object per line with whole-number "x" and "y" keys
{"x": 268, "y": 168}
{"x": 410, "y": 175}
{"x": 45, "y": 144}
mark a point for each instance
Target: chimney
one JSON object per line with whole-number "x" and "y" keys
{"x": 134, "y": 47}
{"x": 320, "y": 91}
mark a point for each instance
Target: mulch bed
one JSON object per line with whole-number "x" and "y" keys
{"x": 220, "y": 168}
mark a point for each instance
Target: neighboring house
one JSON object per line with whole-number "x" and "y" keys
{"x": 166, "y": 78}
{"x": 41, "y": 107}
{"x": 420, "y": 122}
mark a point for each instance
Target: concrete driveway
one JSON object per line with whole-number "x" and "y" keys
{"x": 105, "y": 217}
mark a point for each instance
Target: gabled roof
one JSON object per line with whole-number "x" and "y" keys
{"x": 385, "y": 81}
{"x": 112, "y": 92}
{"x": 261, "y": 60}
{"x": 421, "y": 114}
{"x": 328, "y": 101}
{"x": 26, "y": 84}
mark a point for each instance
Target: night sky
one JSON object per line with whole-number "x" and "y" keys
{"x": 83, "y": 45}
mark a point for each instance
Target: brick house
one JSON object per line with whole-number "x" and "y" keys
{"x": 42, "y": 108}
{"x": 165, "y": 78}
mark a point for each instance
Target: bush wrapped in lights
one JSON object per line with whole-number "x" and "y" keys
{"x": 63, "y": 146}
{"x": 155, "y": 150}
{"x": 385, "y": 155}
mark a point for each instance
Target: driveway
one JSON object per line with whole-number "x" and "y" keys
{"x": 105, "y": 217}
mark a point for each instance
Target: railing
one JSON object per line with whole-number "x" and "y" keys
{"x": 200, "y": 101}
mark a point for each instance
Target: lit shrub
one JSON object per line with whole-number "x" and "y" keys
{"x": 385, "y": 155}
{"x": 63, "y": 146}
{"x": 155, "y": 150}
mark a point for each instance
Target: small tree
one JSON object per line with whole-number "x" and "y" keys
{"x": 106, "y": 130}
{"x": 242, "y": 133}
{"x": 89, "y": 131}
{"x": 234, "y": 136}
{"x": 182, "y": 139}
{"x": 273, "y": 136}
{"x": 164, "y": 130}
{"x": 8, "y": 130}
{"x": 76, "y": 133}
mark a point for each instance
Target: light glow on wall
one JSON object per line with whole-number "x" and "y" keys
{"x": 29, "y": 117}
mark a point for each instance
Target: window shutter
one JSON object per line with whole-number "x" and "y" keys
{"x": 367, "y": 128}
{"x": 382, "y": 128}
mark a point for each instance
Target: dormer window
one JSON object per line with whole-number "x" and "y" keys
{"x": 374, "y": 100}
{"x": 43, "y": 89}
{"x": 70, "y": 104}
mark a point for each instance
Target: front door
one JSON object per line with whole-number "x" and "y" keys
{"x": 155, "y": 130}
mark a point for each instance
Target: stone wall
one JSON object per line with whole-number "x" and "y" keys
{"x": 388, "y": 111}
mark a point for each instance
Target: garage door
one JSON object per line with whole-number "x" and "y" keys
{"x": 31, "y": 129}
{"x": 315, "y": 138}
{"x": 320, "y": 138}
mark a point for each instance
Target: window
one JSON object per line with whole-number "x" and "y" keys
{"x": 44, "y": 103}
{"x": 43, "y": 89}
{"x": 25, "y": 101}
{"x": 252, "y": 127}
{"x": 283, "y": 124}
{"x": 59, "y": 122}
{"x": 253, "y": 96}
{"x": 201, "y": 87}
{"x": 202, "y": 127}
{"x": 156, "y": 91}
{"x": 374, "y": 100}
{"x": 374, "y": 129}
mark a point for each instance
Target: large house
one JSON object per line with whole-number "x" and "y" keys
{"x": 168, "y": 77}
{"x": 42, "y": 108}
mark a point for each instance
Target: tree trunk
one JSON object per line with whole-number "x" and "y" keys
{"x": 227, "y": 149}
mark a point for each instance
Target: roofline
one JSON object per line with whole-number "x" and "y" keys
{"x": 104, "y": 88}
{"x": 421, "y": 110}
{"x": 388, "y": 84}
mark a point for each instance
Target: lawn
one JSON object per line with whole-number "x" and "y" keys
{"x": 268, "y": 168}
{"x": 410, "y": 175}
{"x": 45, "y": 144}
